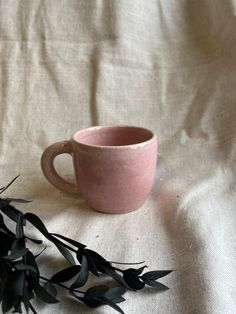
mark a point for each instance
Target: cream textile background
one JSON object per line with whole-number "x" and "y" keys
{"x": 168, "y": 65}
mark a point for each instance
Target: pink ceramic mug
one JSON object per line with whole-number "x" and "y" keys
{"x": 114, "y": 166}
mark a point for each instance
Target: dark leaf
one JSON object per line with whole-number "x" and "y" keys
{"x": 91, "y": 264}
{"x": 18, "y": 282}
{"x": 11, "y": 212}
{"x": 156, "y": 274}
{"x": 114, "y": 293}
{"x": 118, "y": 300}
{"x": 32, "y": 281}
{"x": 71, "y": 241}
{"x": 65, "y": 252}
{"x": 96, "y": 291}
{"x": 66, "y": 274}
{"x": 33, "y": 277}
{"x": 17, "y": 200}
{"x": 6, "y": 241}
{"x": 24, "y": 267}
{"x": 83, "y": 275}
{"x": 2, "y": 231}
{"x": 30, "y": 292}
{"x": 14, "y": 289}
{"x": 18, "y": 245}
{"x": 37, "y": 222}
{"x": 137, "y": 271}
{"x": 156, "y": 284}
{"x": 117, "y": 277}
{"x": 98, "y": 260}
{"x": 79, "y": 254}
{"x": 17, "y": 307}
{"x": 43, "y": 295}
{"x": 93, "y": 296}
{"x": 103, "y": 266}
{"x": 27, "y": 295}
{"x": 8, "y": 302}
{"x": 113, "y": 305}
{"x": 19, "y": 226}
{"x": 95, "y": 256}
{"x": 4, "y": 202}
{"x": 36, "y": 241}
{"x": 5, "y": 187}
{"x": 14, "y": 256}
{"x": 4, "y": 245}
{"x": 50, "y": 288}
{"x": 30, "y": 260}
{"x": 4, "y": 279}
{"x": 4, "y": 227}
{"x": 133, "y": 280}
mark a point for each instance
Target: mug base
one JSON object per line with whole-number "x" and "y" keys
{"x": 115, "y": 212}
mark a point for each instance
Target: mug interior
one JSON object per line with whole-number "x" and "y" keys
{"x": 113, "y": 136}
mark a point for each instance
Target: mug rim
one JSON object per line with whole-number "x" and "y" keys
{"x": 152, "y": 138}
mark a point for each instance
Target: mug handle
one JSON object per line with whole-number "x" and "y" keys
{"x": 47, "y": 165}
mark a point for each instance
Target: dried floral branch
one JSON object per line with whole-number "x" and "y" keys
{"x": 21, "y": 280}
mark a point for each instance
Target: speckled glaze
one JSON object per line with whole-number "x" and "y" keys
{"x": 114, "y": 166}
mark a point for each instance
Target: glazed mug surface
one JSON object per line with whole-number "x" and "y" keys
{"x": 114, "y": 166}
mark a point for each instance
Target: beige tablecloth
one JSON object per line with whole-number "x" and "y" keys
{"x": 167, "y": 65}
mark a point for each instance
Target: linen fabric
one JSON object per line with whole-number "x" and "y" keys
{"x": 166, "y": 65}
